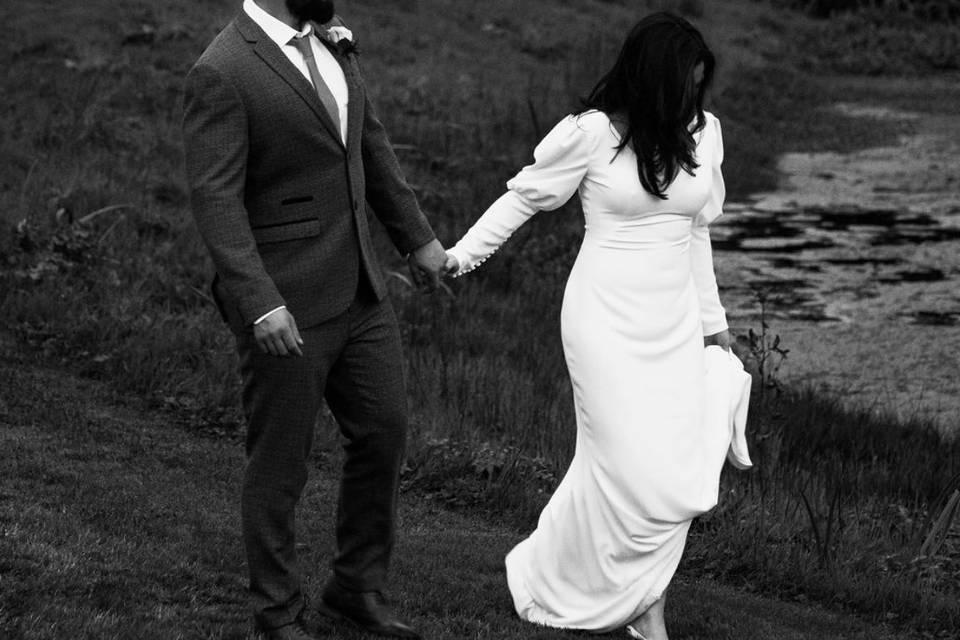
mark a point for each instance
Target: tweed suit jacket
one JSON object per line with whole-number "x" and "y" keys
{"x": 279, "y": 199}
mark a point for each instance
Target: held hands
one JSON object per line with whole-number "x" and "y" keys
{"x": 277, "y": 334}
{"x": 427, "y": 265}
{"x": 452, "y": 265}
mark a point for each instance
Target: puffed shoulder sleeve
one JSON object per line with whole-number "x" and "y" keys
{"x": 712, "y": 313}
{"x": 561, "y": 161}
{"x": 712, "y": 160}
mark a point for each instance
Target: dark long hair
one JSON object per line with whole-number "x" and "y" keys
{"x": 652, "y": 84}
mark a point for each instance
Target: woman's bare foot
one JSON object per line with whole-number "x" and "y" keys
{"x": 651, "y": 624}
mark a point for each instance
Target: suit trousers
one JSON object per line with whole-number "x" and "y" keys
{"x": 353, "y": 361}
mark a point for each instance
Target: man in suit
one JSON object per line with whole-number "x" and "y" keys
{"x": 283, "y": 151}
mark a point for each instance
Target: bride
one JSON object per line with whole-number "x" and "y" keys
{"x": 640, "y": 303}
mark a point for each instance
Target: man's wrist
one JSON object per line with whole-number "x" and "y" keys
{"x": 416, "y": 244}
{"x": 268, "y": 314}
{"x": 425, "y": 245}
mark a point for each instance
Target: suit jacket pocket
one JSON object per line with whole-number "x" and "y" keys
{"x": 295, "y": 230}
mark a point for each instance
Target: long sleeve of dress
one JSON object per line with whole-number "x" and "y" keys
{"x": 560, "y": 164}
{"x": 712, "y": 314}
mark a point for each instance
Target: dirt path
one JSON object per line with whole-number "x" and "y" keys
{"x": 116, "y": 523}
{"x": 861, "y": 253}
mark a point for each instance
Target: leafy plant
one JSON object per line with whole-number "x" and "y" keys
{"x": 765, "y": 349}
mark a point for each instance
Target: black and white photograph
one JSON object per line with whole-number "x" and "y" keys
{"x": 480, "y": 319}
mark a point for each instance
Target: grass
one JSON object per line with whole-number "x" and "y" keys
{"x": 118, "y": 523}
{"x": 879, "y": 37}
{"x": 838, "y": 509}
{"x": 90, "y": 122}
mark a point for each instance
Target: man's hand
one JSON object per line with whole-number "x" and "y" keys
{"x": 427, "y": 263}
{"x": 721, "y": 339}
{"x": 277, "y": 334}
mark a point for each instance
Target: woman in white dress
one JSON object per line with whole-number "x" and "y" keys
{"x": 640, "y": 303}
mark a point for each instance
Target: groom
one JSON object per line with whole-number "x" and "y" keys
{"x": 283, "y": 151}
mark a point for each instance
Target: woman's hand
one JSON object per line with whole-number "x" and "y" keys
{"x": 722, "y": 340}
{"x": 452, "y": 265}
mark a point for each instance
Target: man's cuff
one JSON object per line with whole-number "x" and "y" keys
{"x": 268, "y": 313}
{"x": 413, "y": 241}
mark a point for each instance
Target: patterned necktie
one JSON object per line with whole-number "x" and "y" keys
{"x": 302, "y": 43}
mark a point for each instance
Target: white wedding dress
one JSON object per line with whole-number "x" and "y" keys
{"x": 639, "y": 299}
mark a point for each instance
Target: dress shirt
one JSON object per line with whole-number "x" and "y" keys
{"x": 330, "y": 70}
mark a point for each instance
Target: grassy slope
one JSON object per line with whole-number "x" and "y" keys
{"x": 117, "y": 523}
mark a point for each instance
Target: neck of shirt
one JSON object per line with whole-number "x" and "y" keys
{"x": 278, "y": 31}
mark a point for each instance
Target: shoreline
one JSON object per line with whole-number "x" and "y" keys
{"x": 859, "y": 254}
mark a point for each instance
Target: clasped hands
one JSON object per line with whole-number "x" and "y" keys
{"x": 429, "y": 264}
{"x": 277, "y": 334}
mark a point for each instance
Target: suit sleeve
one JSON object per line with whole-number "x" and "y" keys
{"x": 392, "y": 199}
{"x": 216, "y": 145}
{"x": 712, "y": 314}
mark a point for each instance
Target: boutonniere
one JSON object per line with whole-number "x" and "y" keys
{"x": 342, "y": 40}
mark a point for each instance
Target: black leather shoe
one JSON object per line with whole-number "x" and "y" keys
{"x": 367, "y": 609}
{"x": 295, "y": 631}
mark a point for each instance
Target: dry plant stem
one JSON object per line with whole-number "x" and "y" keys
{"x": 766, "y": 349}
{"x": 941, "y": 529}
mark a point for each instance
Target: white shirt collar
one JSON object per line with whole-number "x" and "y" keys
{"x": 278, "y": 31}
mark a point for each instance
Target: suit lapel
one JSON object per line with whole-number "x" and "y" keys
{"x": 267, "y": 50}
